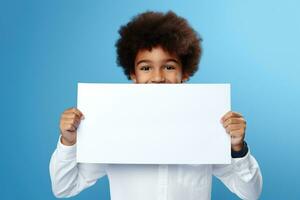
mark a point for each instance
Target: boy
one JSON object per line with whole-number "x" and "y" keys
{"x": 156, "y": 47}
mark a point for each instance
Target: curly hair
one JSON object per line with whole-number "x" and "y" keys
{"x": 151, "y": 29}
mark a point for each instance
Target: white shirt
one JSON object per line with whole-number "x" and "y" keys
{"x": 153, "y": 182}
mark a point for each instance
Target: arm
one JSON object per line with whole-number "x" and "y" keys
{"x": 242, "y": 176}
{"x": 69, "y": 178}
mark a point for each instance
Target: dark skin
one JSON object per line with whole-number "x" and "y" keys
{"x": 156, "y": 66}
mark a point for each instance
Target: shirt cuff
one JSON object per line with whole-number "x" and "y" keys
{"x": 243, "y": 163}
{"x": 239, "y": 154}
{"x": 66, "y": 152}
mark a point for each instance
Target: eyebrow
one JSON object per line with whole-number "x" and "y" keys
{"x": 166, "y": 60}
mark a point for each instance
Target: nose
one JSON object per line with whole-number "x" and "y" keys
{"x": 158, "y": 77}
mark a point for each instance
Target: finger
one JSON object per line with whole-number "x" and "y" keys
{"x": 69, "y": 110}
{"x": 230, "y": 114}
{"x": 234, "y": 127}
{"x": 78, "y": 112}
{"x": 71, "y": 116}
{"x": 74, "y": 121}
{"x": 239, "y": 120}
{"x": 237, "y": 133}
{"x": 69, "y": 127}
{"x": 74, "y": 110}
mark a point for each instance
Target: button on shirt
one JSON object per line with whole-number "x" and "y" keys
{"x": 153, "y": 182}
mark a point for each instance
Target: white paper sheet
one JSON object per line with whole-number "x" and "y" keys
{"x": 153, "y": 123}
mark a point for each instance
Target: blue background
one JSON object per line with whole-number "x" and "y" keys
{"x": 46, "y": 47}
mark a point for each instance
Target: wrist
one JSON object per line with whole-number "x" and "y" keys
{"x": 235, "y": 153}
{"x": 66, "y": 142}
{"x": 237, "y": 147}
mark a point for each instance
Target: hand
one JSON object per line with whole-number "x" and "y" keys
{"x": 69, "y": 122}
{"x": 235, "y": 126}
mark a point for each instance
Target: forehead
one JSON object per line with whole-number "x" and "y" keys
{"x": 156, "y": 54}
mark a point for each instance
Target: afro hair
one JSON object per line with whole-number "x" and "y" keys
{"x": 151, "y": 29}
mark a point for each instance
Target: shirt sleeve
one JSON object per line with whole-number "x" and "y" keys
{"x": 242, "y": 177}
{"x": 68, "y": 178}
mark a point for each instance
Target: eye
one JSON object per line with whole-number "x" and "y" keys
{"x": 145, "y": 68}
{"x": 169, "y": 67}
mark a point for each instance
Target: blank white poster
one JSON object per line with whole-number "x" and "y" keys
{"x": 153, "y": 123}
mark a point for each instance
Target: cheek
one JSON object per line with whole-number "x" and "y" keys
{"x": 175, "y": 77}
{"x": 142, "y": 77}
{"x": 179, "y": 77}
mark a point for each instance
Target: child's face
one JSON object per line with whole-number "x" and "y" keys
{"x": 157, "y": 66}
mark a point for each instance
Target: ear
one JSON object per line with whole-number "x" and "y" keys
{"x": 133, "y": 77}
